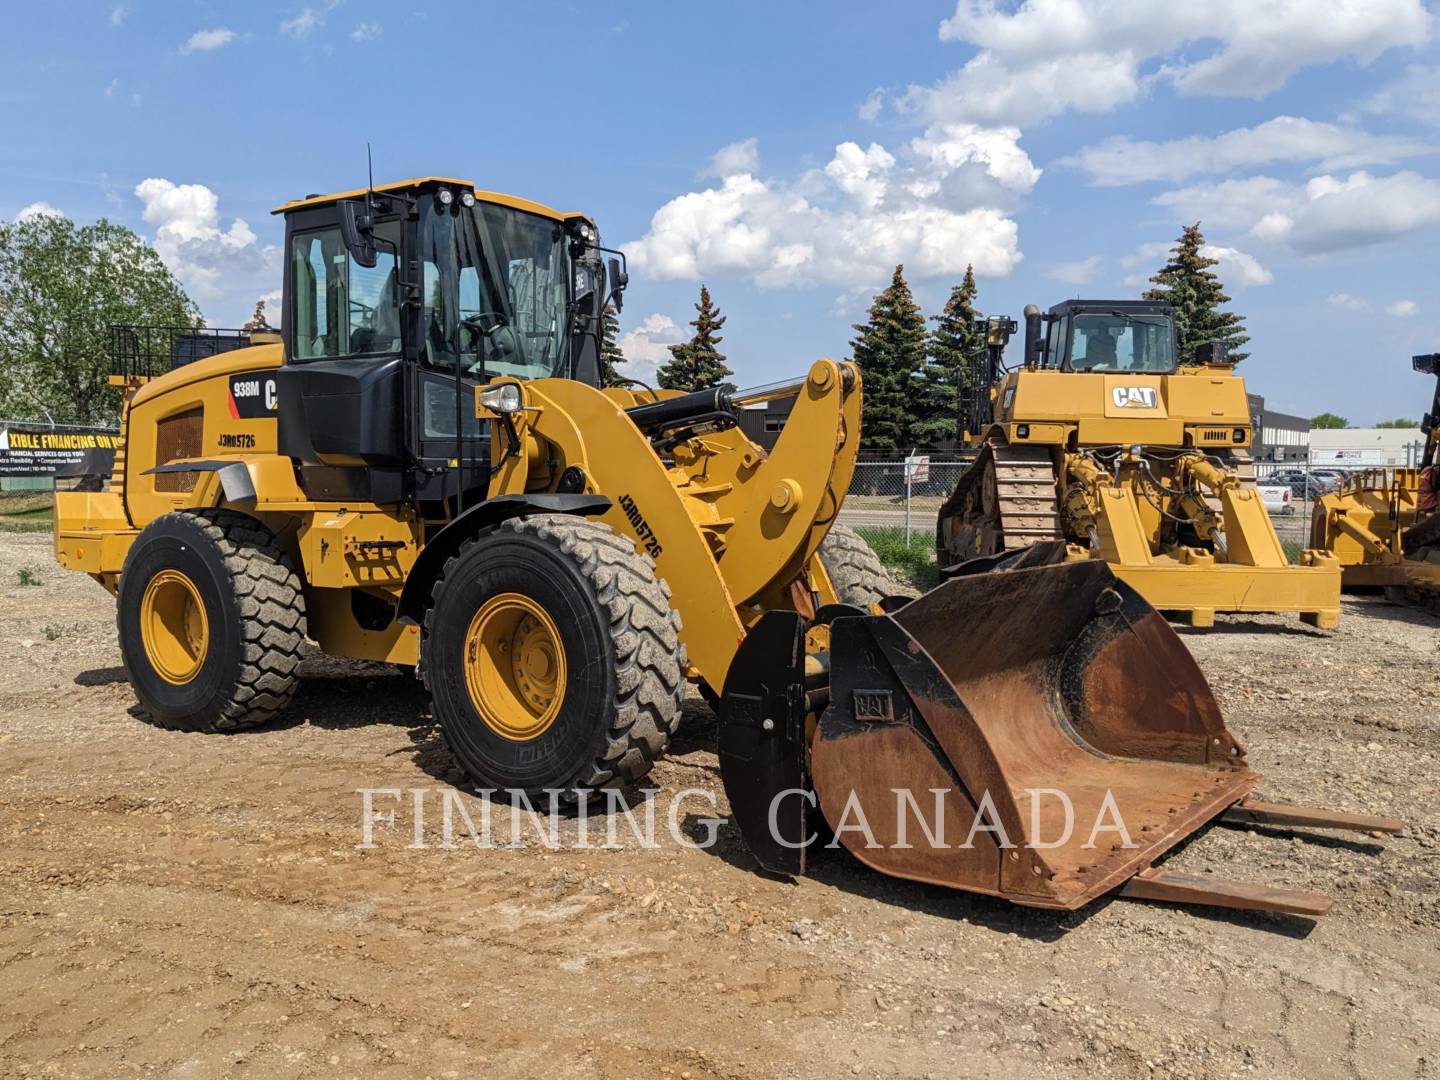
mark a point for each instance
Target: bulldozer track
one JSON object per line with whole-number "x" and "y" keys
{"x": 1006, "y": 499}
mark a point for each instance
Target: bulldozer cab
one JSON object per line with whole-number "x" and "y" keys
{"x": 399, "y": 301}
{"x": 1106, "y": 335}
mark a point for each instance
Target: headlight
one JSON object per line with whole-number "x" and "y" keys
{"x": 502, "y": 399}
{"x": 467, "y": 199}
{"x": 588, "y": 234}
{"x": 446, "y": 196}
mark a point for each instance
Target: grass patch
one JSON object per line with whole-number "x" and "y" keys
{"x": 27, "y": 576}
{"x": 26, "y": 517}
{"x": 912, "y": 563}
{"x": 54, "y": 632}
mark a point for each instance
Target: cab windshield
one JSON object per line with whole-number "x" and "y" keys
{"x": 495, "y": 291}
{"x": 1117, "y": 342}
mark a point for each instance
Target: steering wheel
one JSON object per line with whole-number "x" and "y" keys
{"x": 476, "y": 323}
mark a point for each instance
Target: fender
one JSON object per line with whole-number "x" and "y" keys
{"x": 476, "y": 519}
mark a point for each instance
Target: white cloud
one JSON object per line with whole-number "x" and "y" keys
{"x": 1079, "y": 272}
{"x": 366, "y": 31}
{"x": 308, "y": 20}
{"x": 1236, "y": 267}
{"x": 118, "y": 13}
{"x": 38, "y": 210}
{"x": 1415, "y": 94}
{"x": 1122, "y": 160}
{"x": 1346, "y": 302}
{"x": 938, "y": 204}
{"x": 737, "y": 159}
{"x": 861, "y": 173}
{"x": 208, "y": 40}
{"x": 1325, "y": 214}
{"x": 1230, "y": 204}
{"x": 113, "y": 88}
{"x": 1045, "y": 57}
{"x": 869, "y": 109}
{"x": 1399, "y": 309}
{"x": 645, "y": 347}
{"x": 207, "y": 258}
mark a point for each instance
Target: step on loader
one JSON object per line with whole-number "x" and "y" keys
{"x": 422, "y": 468}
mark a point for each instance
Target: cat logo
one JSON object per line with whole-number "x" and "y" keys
{"x": 1135, "y": 397}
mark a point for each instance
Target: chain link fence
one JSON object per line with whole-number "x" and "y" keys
{"x": 1319, "y": 473}
{"x": 903, "y": 494}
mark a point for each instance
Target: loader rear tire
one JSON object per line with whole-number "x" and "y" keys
{"x": 212, "y": 619}
{"x": 553, "y": 657}
{"x": 857, "y": 573}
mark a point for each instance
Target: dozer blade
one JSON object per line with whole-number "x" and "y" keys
{"x": 1036, "y": 734}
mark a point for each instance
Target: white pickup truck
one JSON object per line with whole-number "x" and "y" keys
{"x": 1279, "y": 500}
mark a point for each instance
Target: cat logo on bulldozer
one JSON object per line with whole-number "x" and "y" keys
{"x": 1135, "y": 397}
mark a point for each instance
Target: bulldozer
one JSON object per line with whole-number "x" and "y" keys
{"x": 423, "y": 469}
{"x": 1102, "y": 440}
{"x": 1381, "y": 525}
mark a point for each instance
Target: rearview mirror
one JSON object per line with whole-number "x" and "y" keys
{"x": 1428, "y": 364}
{"x": 357, "y": 229}
{"x": 619, "y": 280}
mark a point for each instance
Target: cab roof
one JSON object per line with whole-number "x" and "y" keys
{"x": 1122, "y": 307}
{"x": 497, "y": 197}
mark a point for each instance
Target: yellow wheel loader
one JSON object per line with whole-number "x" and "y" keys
{"x": 1381, "y": 523}
{"x": 1101, "y": 440}
{"x": 423, "y": 470}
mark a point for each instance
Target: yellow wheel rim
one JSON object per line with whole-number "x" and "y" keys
{"x": 174, "y": 627}
{"x": 515, "y": 666}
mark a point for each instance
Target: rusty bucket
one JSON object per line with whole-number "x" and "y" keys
{"x": 1033, "y": 732}
{"x": 1071, "y": 733}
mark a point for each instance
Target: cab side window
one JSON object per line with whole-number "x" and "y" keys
{"x": 338, "y": 307}
{"x": 1055, "y": 345}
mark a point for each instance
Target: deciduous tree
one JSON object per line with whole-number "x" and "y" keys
{"x": 61, "y": 287}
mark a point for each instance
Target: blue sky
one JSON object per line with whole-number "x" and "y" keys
{"x": 788, "y": 154}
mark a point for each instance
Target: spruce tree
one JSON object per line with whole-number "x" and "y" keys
{"x": 890, "y": 349}
{"x": 1189, "y": 284}
{"x": 697, "y": 363}
{"x": 611, "y": 354}
{"x": 946, "y": 372}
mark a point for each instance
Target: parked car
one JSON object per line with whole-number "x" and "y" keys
{"x": 1279, "y": 499}
{"x": 1301, "y": 483}
{"x": 1334, "y": 477}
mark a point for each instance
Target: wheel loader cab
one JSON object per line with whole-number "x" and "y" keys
{"x": 399, "y": 302}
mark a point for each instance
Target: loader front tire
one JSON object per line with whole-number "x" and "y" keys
{"x": 857, "y": 573}
{"x": 211, "y": 619}
{"x": 553, "y": 657}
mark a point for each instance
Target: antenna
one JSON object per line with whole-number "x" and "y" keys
{"x": 370, "y": 190}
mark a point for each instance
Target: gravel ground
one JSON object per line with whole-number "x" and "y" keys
{"x": 196, "y": 905}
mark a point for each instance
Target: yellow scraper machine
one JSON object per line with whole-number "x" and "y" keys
{"x": 424, "y": 469}
{"x": 1381, "y": 524}
{"x": 1100, "y": 440}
